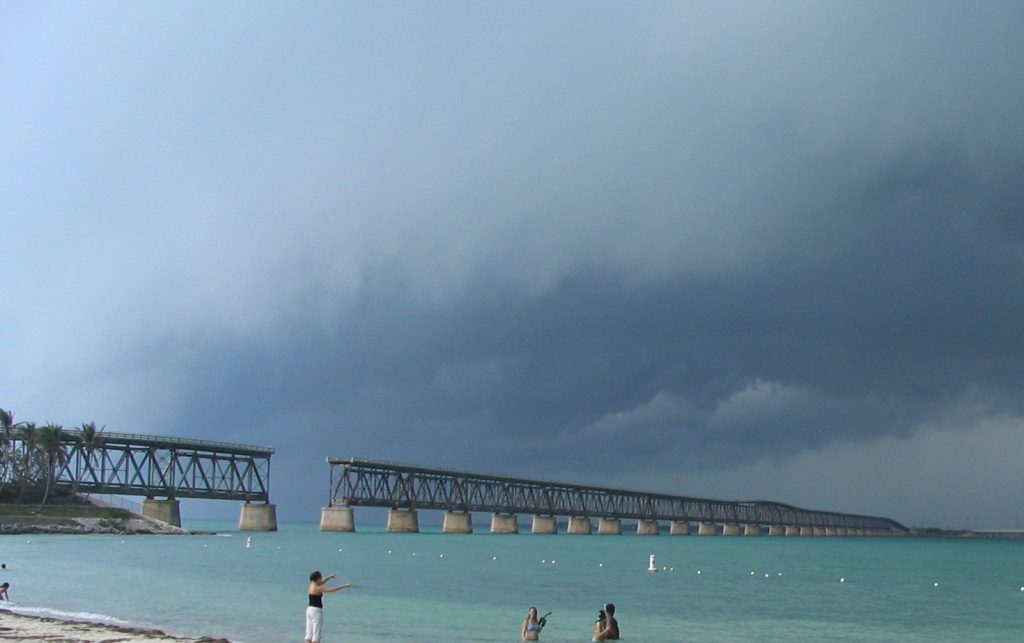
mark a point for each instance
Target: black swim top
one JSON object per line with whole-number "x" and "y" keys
{"x": 316, "y": 600}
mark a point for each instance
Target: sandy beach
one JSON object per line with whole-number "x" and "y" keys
{"x": 19, "y": 627}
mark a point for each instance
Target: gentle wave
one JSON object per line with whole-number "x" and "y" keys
{"x": 85, "y": 617}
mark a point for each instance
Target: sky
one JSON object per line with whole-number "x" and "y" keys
{"x": 740, "y": 250}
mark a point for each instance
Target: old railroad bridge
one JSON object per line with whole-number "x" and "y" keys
{"x": 405, "y": 489}
{"x": 128, "y": 464}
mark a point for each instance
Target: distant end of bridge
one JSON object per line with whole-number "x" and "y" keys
{"x": 405, "y": 489}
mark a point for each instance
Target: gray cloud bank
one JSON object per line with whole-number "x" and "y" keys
{"x": 689, "y": 247}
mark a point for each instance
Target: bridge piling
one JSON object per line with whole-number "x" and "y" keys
{"x": 168, "y": 511}
{"x": 730, "y": 529}
{"x": 544, "y": 525}
{"x": 257, "y": 517}
{"x": 679, "y": 528}
{"x": 707, "y": 529}
{"x": 336, "y": 518}
{"x": 751, "y": 530}
{"x": 578, "y": 525}
{"x": 611, "y": 526}
{"x": 403, "y": 521}
{"x": 776, "y": 530}
{"x": 647, "y": 527}
{"x": 504, "y": 524}
{"x": 457, "y": 522}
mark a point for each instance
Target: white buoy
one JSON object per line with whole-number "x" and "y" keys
{"x": 698, "y": 572}
{"x": 1022, "y": 589}
{"x": 842, "y": 580}
{"x": 494, "y": 558}
{"x": 780, "y": 573}
{"x": 441, "y": 556}
{"x": 248, "y": 542}
{"x": 554, "y": 562}
{"x": 751, "y": 573}
{"x": 544, "y": 561}
{"x": 651, "y": 567}
{"x": 414, "y": 553}
{"x": 600, "y": 564}
{"x": 935, "y": 584}
{"x": 389, "y": 551}
{"x": 766, "y": 575}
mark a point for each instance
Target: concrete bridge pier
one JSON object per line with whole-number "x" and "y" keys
{"x": 841, "y": 531}
{"x": 504, "y": 524}
{"x": 457, "y": 522}
{"x": 818, "y": 531}
{"x": 679, "y": 528}
{"x": 544, "y": 525}
{"x": 730, "y": 529}
{"x": 830, "y": 531}
{"x": 168, "y": 511}
{"x": 337, "y": 519}
{"x": 806, "y": 531}
{"x": 792, "y": 531}
{"x": 751, "y": 530}
{"x": 579, "y": 525}
{"x": 257, "y": 517}
{"x": 609, "y": 526}
{"x": 776, "y": 530}
{"x": 403, "y": 520}
{"x": 647, "y": 528}
{"x": 707, "y": 529}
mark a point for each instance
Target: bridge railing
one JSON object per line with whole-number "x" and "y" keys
{"x": 376, "y": 483}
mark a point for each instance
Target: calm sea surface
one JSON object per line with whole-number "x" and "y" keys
{"x": 442, "y": 587}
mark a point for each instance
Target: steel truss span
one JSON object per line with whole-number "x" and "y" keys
{"x": 146, "y": 465}
{"x": 373, "y": 483}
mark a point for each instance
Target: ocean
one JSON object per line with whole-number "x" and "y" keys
{"x": 458, "y": 587}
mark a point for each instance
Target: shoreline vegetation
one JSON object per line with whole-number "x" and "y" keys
{"x": 26, "y": 627}
{"x": 79, "y": 515}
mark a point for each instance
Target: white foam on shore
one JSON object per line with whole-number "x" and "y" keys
{"x": 82, "y": 617}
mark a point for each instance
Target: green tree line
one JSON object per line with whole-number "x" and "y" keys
{"x": 31, "y": 455}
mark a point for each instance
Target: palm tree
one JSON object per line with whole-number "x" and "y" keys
{"x": 7, "y": 431}
{"x": 91, "y": 439}
{"x": 29, "y": 437}
{"x": 51, "y": 447}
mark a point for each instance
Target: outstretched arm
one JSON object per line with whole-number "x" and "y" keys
{"x": 335, "y": 588}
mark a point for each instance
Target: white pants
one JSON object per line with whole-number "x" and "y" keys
{"x": 314, "y": 623}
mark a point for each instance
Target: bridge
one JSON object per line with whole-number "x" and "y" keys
{"x": 151, "y": 466}
{"x": 405, "y": 489}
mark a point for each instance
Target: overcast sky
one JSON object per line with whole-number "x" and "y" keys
{"x": 740, "y": 250}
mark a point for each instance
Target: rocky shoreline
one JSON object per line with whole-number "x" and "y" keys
{"x": 80, "y": 526}
{"x": 29, "y": 628}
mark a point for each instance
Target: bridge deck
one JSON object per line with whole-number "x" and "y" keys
{"x": 360, "y": 482}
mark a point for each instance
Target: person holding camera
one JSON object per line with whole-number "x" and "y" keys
{"x": 606, "y": 628}
{"x": 533, "y": 625}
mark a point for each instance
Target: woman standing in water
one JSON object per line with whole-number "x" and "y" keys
{"x": 315, "y": 611}
{"x": 531, "y": 626}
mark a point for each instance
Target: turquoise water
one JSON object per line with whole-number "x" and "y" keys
{"x": 432, "y": 586}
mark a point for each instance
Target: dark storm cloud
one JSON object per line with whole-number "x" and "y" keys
{"x": 699, "y": 237}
